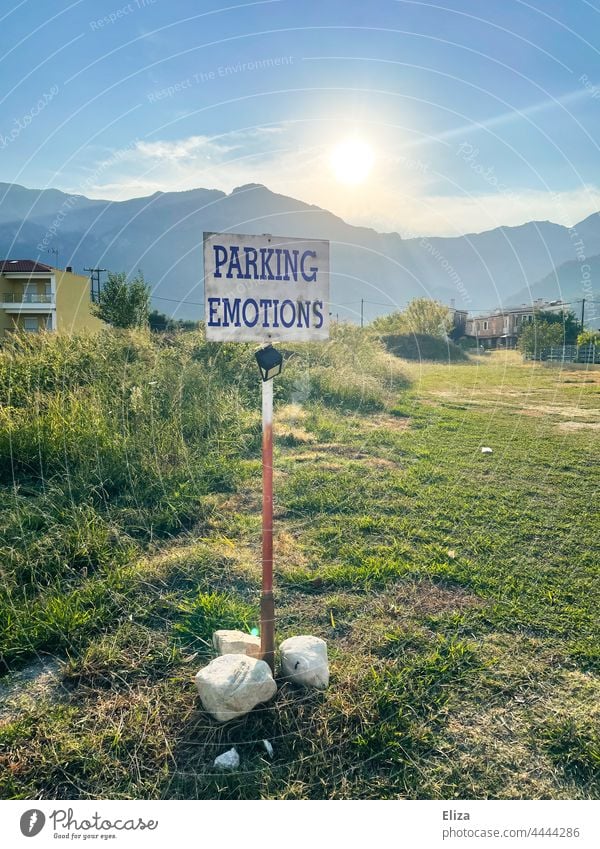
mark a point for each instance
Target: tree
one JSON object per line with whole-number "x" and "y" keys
{"x": 537, "y": 335}
{"x": 589, "y": 337}
{"x": 422, "y": 315}
{"x": 161, "y": 322}
{"x": 569, "y": 323}
{"x": 390, "y": 323}
{"x": 122, "y": 303}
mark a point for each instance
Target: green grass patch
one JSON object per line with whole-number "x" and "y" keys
{"x": 458, "y": 592}
{"x": 574, "y": 745}
{"x": 208, "y": 612}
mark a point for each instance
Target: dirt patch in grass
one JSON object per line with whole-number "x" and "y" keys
{"x": 421, "y": 599}
{"x": 402, "y": 609}
{"x": 493, "y": 757}
{"x": 245, "y": 501}
{"x": 289, "y": 550}
{"x": 24, "y": 688}
{"x": 559, "y": 410}
{"x": 288, "y": 426}
{"x": 292, "y": 436}
{"x": 579, "y": 426}
{"x": 323, "y": 457}
{"x": 376, "y": 422}
{"x": 495, "y": 735}
{"x": 291, "y": 414}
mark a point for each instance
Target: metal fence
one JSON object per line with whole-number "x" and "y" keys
{"x": 567, "y": 354}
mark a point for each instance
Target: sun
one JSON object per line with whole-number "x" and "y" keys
{"x": 352, "y": 160}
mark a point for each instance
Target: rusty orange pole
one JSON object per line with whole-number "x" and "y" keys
{"x": 267, "y": 605}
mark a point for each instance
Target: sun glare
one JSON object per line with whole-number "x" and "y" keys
{"x": 352, "y": 160}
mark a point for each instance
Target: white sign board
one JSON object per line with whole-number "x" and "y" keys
{"x": 265, "y": 288}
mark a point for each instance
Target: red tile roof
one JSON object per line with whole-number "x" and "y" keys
{"x": 24, "y": 265}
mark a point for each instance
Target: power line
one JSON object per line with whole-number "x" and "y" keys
{"x": 177, "y": 301}
{"x": 494, "y": 308}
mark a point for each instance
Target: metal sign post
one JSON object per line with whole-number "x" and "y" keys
{"x": 267, "y": 604}
{"x": 266, "y": 289}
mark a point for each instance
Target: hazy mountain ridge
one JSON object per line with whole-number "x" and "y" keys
{"x": 162, "y": 235}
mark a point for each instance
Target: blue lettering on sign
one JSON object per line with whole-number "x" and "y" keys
{"x": 304, "y": 313}
{"x": 266, "y": 255}
{"x": 264, "y": 264}
{"x": 251, "y": 263}
{"x": 247, "y": 321}
{"x": 291, "y": 264}
{"x": 308, "y": 277}
{"x": 272, "y": 313}
{"x": 231, "y": 312}
{"x": 318, "y": 311}
{"x": 287, "y": 322}
{"x": 213, "y": 318}
{"x": 234, "y": 263}
{"x": 220, "y": 258}
{"x": 275, "y": 313}
{"x": 265, "y": 304}
{"x": 278, "y": 255}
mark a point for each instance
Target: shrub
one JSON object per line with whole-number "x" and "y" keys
{"x": 419, "y": 346}
{"x": 589, "y": 337}
{"x": 422, "y": 316}
{"x": 352, "y": 370}
{"x": 539, "y": 335}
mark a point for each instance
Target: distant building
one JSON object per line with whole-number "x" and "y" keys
{"x": 35, "y": 297}
{"x": 459, "y": 322}
{"x": 500, "y": 329}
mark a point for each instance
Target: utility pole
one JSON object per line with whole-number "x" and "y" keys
{"x": 582, "y": 314}
{"x": 362, "y": 312}
{"x": 95, "y": 279}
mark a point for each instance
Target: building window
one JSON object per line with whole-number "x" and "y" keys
{"x": 30, "y": 325}
{"x": 506, "y": 322}
{"x": 485, "y": 325}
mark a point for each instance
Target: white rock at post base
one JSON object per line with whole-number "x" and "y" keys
{"x": 304, "y": 661}
{"x": 236, "y": 642}
{"x": 228, "y": 760}
{"x": 233, "y": 684}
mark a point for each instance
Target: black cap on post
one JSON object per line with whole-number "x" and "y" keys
{"x": 270, "y": 362}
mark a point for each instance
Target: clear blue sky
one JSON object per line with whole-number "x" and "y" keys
{"x": 477, "y": 113}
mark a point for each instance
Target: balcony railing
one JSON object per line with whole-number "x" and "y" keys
{"x": 26, "y": 298}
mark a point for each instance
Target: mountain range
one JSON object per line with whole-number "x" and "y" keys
{"x": 162, "y": 235}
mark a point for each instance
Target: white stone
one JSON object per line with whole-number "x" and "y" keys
{"x": 228, "y": 760}
{"x": 236, "y": 642}
{"x": 304, "y": 661}
{"x": 486, "y": 451}
{"x": 268, "y": 748}
{"x": 233, "y": 684}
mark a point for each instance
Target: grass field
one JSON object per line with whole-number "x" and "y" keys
{"x": 458, "y": 592}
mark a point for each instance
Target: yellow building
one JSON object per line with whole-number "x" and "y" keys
{"x": 35, "y": 297}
